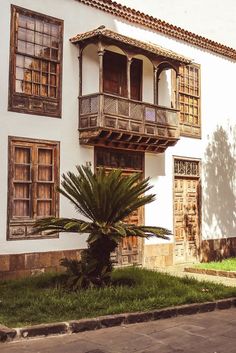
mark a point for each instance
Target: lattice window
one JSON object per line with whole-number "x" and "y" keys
{"x": 36, "y": 55}
{"x": 119, "y": 159}
{"x": 186, "y": 168}
{"x": 189, "y": 100}
{"x": 33, "y": 176}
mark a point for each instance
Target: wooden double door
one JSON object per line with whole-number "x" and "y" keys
{"x": 187, "y": 211}
{"x": 129, "y": 251}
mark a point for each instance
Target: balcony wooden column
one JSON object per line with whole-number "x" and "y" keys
{"x": 155, "y": 82}
{"x": 100, "y": 57}
{"x": 80, "y": 71}
{"x": 129, "y": 62}
{"x": 177, "y": 91}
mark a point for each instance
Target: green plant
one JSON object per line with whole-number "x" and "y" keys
{"x": 105, "y": 200}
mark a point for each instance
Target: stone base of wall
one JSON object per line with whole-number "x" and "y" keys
{"x": 158, "y": 255}
{"x": 24, "y": 265}
{"x": 217, "y": 249}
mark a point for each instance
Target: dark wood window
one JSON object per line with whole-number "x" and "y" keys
{"x": 115, "y": 75}
{"x": 36, "y": 59}
{"x": 125, "y": 160}
{"x": 189, "y": 100}
{"x": 136, "y": 79}
{"x": 33, "y": 177}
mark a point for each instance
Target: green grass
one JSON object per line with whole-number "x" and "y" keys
{"x": 224, "y": 265}
{"x": 37, "y": 300}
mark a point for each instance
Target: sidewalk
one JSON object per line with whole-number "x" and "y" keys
{"x": 212, "y": 332}
{"x": 178, "y": 270}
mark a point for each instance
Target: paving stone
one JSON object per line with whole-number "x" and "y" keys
{"x": 181, "y": 334}
{"x": 109, "y": 321}
{"x": 95, "y": 351}
{"x": 6, "y": 333}
{"x": 164, "y": 313}
{"x": 43, "y": 330}
{"x": 188, "y": 309}
{"x": 224, "y": 304}
{"x": 84, "y": 325}
{"x": 204, "y": 307}
{"x": 138, "y": 317}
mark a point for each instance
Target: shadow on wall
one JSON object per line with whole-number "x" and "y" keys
{"x": 219, "y": 194}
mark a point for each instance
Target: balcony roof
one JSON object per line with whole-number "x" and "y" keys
{"x": 103, "y": 32}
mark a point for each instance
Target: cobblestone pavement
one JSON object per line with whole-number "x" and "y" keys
{"x": 213, "y": 332}
{"x": 178, "y": 270}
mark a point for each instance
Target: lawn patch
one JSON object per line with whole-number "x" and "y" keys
{"x": 224, "y": 265}
{"x": 41, "y": 299}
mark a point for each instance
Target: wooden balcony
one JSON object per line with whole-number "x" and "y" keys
{"x": 111, "y": 121}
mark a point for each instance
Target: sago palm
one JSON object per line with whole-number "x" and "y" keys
{"x": 105, "y": 200}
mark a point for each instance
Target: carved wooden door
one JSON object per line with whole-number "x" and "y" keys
{"x": 186, "y": 210}
{"x": 129, "y": 252}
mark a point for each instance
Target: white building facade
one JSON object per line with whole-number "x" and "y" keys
{"x": 153, "y": 99}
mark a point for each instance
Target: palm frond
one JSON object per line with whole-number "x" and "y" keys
{"x": 127, "y": 230}
{"x": 54, "y": 225}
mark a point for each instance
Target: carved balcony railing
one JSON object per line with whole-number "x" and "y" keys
{"x": 108, "y": 120}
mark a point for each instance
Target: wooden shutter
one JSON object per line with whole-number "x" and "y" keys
{"x": 45, "y": 182}
{"x": 33, "y": 177}
{"x": 136, "y": 80}
{"x": 22, "y": 182}
{"x": 114, "y": 74}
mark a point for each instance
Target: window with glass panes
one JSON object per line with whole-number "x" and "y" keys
{"x": 36, "y": 54}
{"x": 33, "y": 177}
{"x": 189, "y": 100}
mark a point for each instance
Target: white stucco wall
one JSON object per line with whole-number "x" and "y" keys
{"x": 164, "y": 88}
{"x": 214, "y": 19}
{"x": 216, "y": 148}
{"x": 90, "y": 70}
{"x": 147, "y": 78}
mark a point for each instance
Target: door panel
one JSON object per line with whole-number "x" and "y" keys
{"x": 129, "y": 252}
{"x": 187, "y": 213}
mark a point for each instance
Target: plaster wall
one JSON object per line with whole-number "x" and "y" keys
{"x": 147, "y": 89}
{"x": 164, "y": 88}
{"x": 214, "y": 19}
{"x": 216, "y": 148}
{"x": 90, "y": 70}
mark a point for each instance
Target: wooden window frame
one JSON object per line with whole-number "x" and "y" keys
{"x": 119, "y": 152}
{"x": 29, "y": 103}
{"x": 190, "y": 129}
{"x": 19, "y": 227}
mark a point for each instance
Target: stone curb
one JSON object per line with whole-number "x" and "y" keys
{"x": 75, "y": 326}
{"x": 228, "y": 274}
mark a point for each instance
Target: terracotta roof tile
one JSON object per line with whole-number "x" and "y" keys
{"x": 146, "y": 46}
{"x": 158, "y": 25}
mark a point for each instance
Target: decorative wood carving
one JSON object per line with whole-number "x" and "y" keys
{"x": 187, "y": 212}
{"x": 106, "y": 119}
